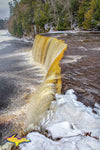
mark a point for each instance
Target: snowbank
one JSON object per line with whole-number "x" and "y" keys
{"x": 73, "y": 126}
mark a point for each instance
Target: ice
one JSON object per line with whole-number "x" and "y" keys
{"x": 88, "y": 143}
{"x": 39, "y": 142}
{"x": 62, "y": 129}
{"x": 71, "y": 126}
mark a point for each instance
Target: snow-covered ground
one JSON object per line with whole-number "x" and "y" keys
{"x": 72, "y": 31}
{"x": 70, "y": 125}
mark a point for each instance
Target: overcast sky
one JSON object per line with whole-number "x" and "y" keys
{"x": 4, "y": 9}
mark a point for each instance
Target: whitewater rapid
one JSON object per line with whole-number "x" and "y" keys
{"x": 19, "y": 77}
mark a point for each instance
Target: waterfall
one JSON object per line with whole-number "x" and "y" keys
{"x": 46, "y": 54}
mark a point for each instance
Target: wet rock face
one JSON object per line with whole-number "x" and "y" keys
{"x": 82, "y": 70}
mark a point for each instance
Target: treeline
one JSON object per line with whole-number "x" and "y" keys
{"x": 29, "y": 17}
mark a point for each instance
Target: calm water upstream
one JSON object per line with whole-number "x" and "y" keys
{"x": 81, "y": 64}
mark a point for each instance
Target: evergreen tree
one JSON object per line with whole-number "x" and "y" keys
{"x": 83, "y": 8}
{"x": 30, "y": 16}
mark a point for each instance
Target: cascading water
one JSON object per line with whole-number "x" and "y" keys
{"x": 47, "y": 53}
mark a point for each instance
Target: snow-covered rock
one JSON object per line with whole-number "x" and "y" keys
{"x": 73, "y": 126}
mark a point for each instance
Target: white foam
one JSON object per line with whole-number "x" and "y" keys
{"x": 95, "y": 49}
{"x": 2, "y": 46}
{"x": 5, "y": 36}
{"x": 82, "y": 47}
{"x": 71, "y": 59}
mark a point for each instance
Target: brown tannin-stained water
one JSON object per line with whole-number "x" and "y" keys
{"x": 81, "y": 64}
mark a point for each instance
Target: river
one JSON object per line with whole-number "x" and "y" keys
{"x": 19, "y": 77}
{"x": 81, "y": 64}
{"x": 80, "y": 68}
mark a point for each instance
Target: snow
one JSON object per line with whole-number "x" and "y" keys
{"x": 62, "y": 129}
{"x": 72, "y": 31}
{"x": 59, "y": 32}
{"x": 68, "y": 121}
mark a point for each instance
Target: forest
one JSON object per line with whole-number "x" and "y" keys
{"x": 30, "y": 17}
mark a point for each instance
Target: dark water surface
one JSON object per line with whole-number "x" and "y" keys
{"x": 18, "y": 77}
{"x": 82, "y": 75}
{"x": 81, "y": 65}
{"x": 11, "y": 63}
